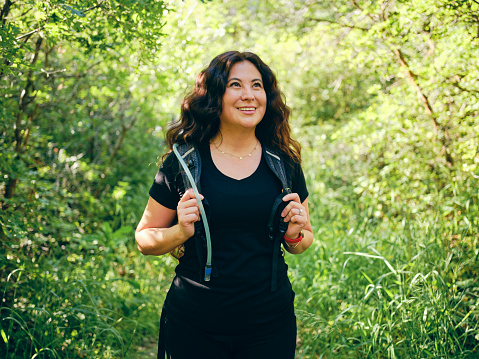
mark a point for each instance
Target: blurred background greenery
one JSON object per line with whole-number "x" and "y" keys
{"x": 385, "y": 99}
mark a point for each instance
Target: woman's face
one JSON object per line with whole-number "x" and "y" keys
{"x": 244, "y": 100}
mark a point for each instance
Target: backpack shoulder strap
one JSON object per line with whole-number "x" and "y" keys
{"x": 276, "y": 227}
{"x": 276, "y": 164}
{"x": 189, "y": 153}
{"x": 190, "y": 156}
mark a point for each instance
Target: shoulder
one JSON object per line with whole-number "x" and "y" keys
{"x": 166, "y": 186}
{"x": 294, "y": 173}
{"x": 169, "y": 164}
{"x": 172, "y": 169}
{"x": 184, "y": 149}
{"x": 290, "y": 165}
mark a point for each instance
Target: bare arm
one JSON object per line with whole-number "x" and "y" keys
{"x": 155, "y": 234}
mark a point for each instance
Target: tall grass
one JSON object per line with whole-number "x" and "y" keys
{"x": 89, "y": 303}
{"x": 401, "y": 284}
{"x": 370, "y": 303}
{"x": 393, "y": 273}
{"x": 395, "y": 281}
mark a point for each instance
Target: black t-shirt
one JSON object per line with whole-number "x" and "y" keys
{"x": 240, "y": 296}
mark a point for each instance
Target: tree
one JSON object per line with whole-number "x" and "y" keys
{"x": 38, "y": 39}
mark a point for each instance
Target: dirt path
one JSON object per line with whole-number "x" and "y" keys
{"x": 147, "y": 351}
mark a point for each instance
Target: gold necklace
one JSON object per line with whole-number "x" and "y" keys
{"x": 240, "y": 157}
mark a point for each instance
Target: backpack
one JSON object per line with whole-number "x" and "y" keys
{"x": 190, "y": 168}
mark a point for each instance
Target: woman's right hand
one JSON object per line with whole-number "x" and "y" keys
{"x": 188, "y": 213}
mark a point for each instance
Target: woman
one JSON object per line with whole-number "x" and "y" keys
{"x": 234, "y": 112}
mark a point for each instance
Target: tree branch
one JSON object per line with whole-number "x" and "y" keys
{"x": 427, "y": 105}
{"x": 124, "y": 130}
{"x": 338, "y": 23}
{"x": 5, "y": 11}
{"x": 30, "y": 33}
{"x": 50, "y": 73}
{"x": 26, "y": 135}
{"x": 384, "y": 7}
{"x": 360, "y": 8}
{"x": 100, "y": 4}
{"x": 456, "y": 79}
{"x": 26, "y": 12}
{"x": 20, "y": 135}
{"x": 412, "y": 79}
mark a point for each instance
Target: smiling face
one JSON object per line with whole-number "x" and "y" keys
{"x": 244, "y": 101}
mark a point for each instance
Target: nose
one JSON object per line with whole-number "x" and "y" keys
{"x": 247, "y": 93}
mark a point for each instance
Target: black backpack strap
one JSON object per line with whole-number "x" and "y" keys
{"x": 276, "y": 163}
{"x": 191, "y": 156}
{"x": 276, "y": 235}
{"x": 276, "y": 226}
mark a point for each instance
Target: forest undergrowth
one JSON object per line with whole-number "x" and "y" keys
{"x": 395, "y": 282}
{"x": 385, "y": 103}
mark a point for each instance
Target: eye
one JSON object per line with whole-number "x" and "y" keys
{"x": 258, "y": 84}
{"x": 235, "y": 84}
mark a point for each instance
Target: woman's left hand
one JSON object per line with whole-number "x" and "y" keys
{"x": 296, "y": 214}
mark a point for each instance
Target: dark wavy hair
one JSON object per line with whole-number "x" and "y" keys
{"x": 200, "y": 110}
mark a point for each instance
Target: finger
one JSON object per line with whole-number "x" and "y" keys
{"x": 188, "y": 203}
{"x": 297, "y": 216}
{"x": 188, "y": 200}
{"x": 188, "y": 216}
{"x": 287, "y": 209}
{"x": 296, "y": 224}
{"x": 299, "y": 220}
{"x": 289, "y": 217}
{"x": 190, "y": 194}
{"x": 292, "y": 197}
{"x": 297, "y": 211}
{"x": 287, "y": 213}
{"x": 188, "y": 210}
{"x": 292, "y": 208}
{"x": 295, "y": 219}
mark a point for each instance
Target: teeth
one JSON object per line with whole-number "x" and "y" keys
{"x": 247, "y": 108}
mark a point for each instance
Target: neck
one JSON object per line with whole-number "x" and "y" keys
{"x": 235, "y": 142}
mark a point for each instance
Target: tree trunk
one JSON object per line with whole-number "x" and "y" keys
{"x": 427, "y": 105}
{"x": 22, "y": 135}
{"x": 5, "y": 11}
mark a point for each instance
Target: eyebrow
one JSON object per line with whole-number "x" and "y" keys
{"x": 237, "y": 79}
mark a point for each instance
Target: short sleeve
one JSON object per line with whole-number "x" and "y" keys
{"x": 164, "y": 189}
{"x": 299, "y": 183}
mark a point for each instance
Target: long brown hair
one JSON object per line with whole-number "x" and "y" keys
{"x": 200, "y": 110}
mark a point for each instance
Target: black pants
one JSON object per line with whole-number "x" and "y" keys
{"x": 183, "y": 342}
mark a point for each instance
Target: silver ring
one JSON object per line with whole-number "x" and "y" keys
{"x": 300, "y": 211}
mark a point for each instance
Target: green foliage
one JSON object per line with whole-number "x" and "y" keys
{"x": 77, "y": 132}
{"x": 95, "y": 300}
{"x": 389, "y": 277}
{"x": 385, "y": 104}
